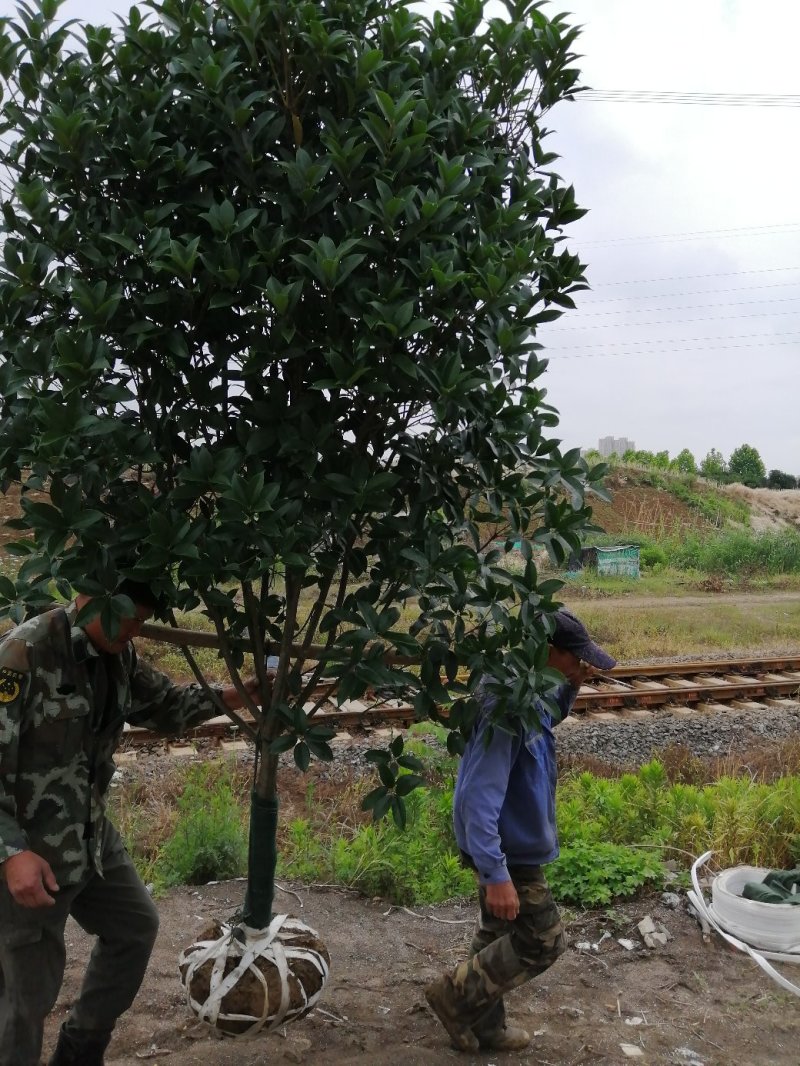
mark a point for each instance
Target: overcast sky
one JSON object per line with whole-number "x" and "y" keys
{"x": 695, "y": 361}
{"x": 684, "y": 341}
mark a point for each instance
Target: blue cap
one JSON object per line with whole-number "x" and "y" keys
{"x": 570, "y": 634}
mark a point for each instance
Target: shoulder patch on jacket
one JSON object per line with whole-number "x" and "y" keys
{"x": 10, "y": 684}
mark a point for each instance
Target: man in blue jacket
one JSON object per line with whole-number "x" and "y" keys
{"x": 505, "y": 826}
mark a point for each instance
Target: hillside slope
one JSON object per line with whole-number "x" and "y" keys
{"x": 770, "y": 508}
{"x": 657, "y": 503}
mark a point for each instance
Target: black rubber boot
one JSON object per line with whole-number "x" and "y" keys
{"x": 79, "y": 1047}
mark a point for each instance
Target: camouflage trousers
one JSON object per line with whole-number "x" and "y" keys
{"x": 505, "y": 954}
{"x": 117, "y": 909}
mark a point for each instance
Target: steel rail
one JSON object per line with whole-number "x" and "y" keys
{"x": 709, "y": 685}
{"x": 744, "y": 664}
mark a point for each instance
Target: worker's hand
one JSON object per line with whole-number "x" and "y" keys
{"x": 30, "y": 879}
{"x": 502, "y": 900}
{"x": 232, "y": 699}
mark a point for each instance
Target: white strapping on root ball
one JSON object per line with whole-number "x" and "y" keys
{"x": 243, "y": 981}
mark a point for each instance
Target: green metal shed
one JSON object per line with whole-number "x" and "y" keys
{"x": 621, "y": 561}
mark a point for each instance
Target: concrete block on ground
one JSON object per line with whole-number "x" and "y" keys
{"x": 786, "y": 703}
{"x": 124, "y": 758}
{"x": 636, "y": 714}
{"x": 351, "y": 706}
{"x": 682, "y": 712}
{"x": 572, "y": 720}
{"x": 181, "y": 751}
{"x": 231, "y": 747}
{"x": 713, "y": 708}
{"x": 341, "y": 740}
{"x": 748, "y": 705}
{"x": 602, "y": 716}
{"x": 387, "y": 733}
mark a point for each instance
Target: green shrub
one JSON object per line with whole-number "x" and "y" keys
{"x": 739, "y": 819}
{"x": 589, "y": 875}
{"x": 209, "y": 842}
{"x": 652, "y": 555}
{"x": 738, "y": 552}
{"x": 419, "y": 864}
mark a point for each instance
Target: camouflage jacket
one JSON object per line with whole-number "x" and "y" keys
{"x": 59, "y": 729}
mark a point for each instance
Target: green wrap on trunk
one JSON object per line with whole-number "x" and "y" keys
{"x": 261, "y": 862}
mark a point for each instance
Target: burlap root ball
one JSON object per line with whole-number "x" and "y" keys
{"x": 243, "y": 981}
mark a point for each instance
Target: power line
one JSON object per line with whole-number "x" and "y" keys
{"x": 679, "y": 340}
{"x": 647, "y": 96}
{"x": 677, "y": 295}
{"x": 694, "y": 277}
{"x": 732, "y": 233}
{"x": 684, "y": 307}
{"x": 666, "y": 351}
{"x": 681, "y": 322}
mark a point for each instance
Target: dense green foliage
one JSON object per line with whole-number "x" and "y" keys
{"x": 779, "y": 479}
{"x": 209, "y": 842}
{"x": 272, "y": 275}
{"x": 747, "y": 466}
{"x": 741, "y": 820}
{"x": 738, "y": 552}
{"x": 419, "y": 864}
{"x": 593, "y": 874}
{"x": 615, "y": 832}
{"x": 684, "y": 462}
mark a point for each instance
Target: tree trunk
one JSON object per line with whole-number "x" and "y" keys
{"x": 263, "y": 851}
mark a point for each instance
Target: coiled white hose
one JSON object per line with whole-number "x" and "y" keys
{"x": 749, "y": 919}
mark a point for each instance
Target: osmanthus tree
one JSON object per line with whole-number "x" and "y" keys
{"x": 271, "y": 277}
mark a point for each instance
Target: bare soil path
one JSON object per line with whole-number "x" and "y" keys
{"x": 688, "y": 1003}
{"x": 705, "y": 599}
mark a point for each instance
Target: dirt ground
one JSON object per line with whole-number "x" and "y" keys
{"x": 644, "y": 509}
{"x": 770, "y": 508}
{"x": 689, "y": 1003}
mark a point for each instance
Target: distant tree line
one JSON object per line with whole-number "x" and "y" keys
{"x": 745, "y": 465}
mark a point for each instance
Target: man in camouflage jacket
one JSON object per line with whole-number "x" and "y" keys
{"x": 66, "y": 692}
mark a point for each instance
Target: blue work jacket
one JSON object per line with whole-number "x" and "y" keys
{"x": 504, "y": 805}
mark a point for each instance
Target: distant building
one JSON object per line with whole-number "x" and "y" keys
{"x": 615, "y": 446}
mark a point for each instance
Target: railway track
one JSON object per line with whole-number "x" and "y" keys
{"x": 626, "y": 693}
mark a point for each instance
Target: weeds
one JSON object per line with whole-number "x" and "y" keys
{"x": 209, "y": 841}
{"x": 740, "y": 819}
{"x": 615, "y": 828}
{"x": 591, "y": 875}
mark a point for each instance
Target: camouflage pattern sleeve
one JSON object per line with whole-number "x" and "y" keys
{"x": 15, "y": 681}
{"x": 158, "y": 703}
